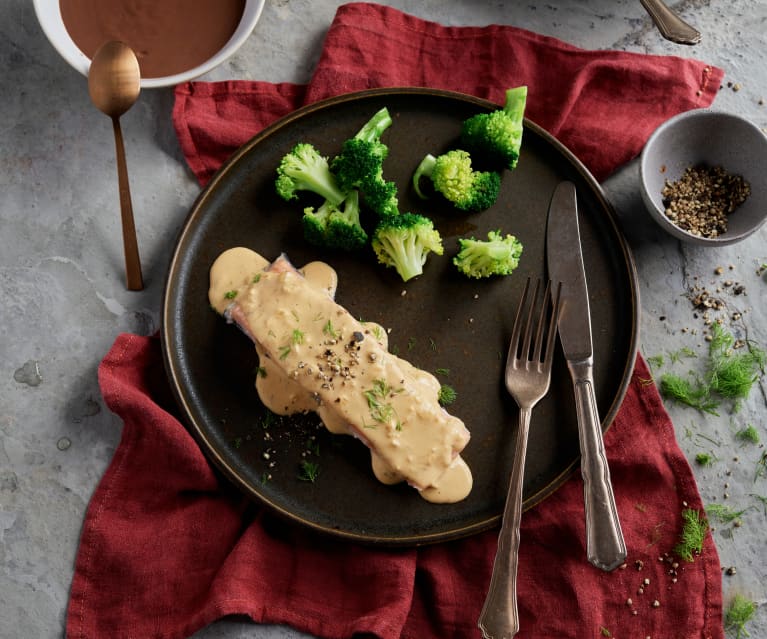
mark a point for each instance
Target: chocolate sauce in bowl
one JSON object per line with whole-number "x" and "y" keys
{"x": 168, "y": 36}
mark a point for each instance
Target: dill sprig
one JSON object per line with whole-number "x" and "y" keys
{"x": 690, "y": 391}
{"x": 447, "y": 395}
{"x": 748, "y": 434}
{"x": 308, "y": 471}
{"x": 694, "y": 528}
{"x": 738, "y": 614}
{"x": 729, "y": 375}
{"x": 761, "y": 467}
{"x": 723, "y": 513}
{"x": 705, "y": 459}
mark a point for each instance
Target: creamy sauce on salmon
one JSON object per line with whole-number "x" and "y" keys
{"x": 314, "y": 356}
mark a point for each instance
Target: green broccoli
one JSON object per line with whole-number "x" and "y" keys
{"x": 336, "y": 226}
{"x": 497, "y": 255}
{"x": 453, "y": 177}
{"x": 360, "y": 165}
{"x": 304, "y": 169}
{"x": 382, "y": 198}
{"x": 497, "y": 135}
{"x": 404, "y": 241}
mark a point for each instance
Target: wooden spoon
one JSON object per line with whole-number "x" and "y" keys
{"x": 114, "y": 83}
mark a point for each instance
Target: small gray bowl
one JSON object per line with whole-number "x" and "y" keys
{"x": 712, "y": 138}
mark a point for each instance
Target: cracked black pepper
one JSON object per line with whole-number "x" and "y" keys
{"x": 701, "y": 201}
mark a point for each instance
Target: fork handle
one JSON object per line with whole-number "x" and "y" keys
{"x": 499, "y": 618}
{"x": 605, "y": 546}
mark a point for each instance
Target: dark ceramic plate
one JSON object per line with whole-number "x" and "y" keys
{"x": 440, "y": 320}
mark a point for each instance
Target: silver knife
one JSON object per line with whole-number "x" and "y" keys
{"x": 605, "y": 545}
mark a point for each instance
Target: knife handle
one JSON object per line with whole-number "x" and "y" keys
{"x": 605, "y": 546}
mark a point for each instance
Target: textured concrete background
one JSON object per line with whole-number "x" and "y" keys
{"x": 63, "y": 298}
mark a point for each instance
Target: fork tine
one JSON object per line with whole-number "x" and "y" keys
{"x": 517, "y": 328}
{"x": 525, "y": 353}
{"x": 541, "y": 323}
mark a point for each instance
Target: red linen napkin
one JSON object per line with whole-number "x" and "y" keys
{"x": 602, "y": 105}
{"x": 168, "y": 546}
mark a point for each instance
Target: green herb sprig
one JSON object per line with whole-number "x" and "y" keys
{"x": 694, "y": 528}
{"x": 729, "y": 375}
{"x": 738, "y": 614}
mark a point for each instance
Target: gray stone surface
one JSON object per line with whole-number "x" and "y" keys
{"x": 63, "y": 298}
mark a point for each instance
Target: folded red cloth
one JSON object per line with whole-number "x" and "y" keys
{"x": 603, "y": 105}
{"x": 168, "y": 546}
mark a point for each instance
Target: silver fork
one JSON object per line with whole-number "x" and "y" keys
{"x": 528, "y": 375}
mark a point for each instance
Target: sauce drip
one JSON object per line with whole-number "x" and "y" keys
{"x": 168, "y": 36}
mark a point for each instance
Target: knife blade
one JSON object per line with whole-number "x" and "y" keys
{"x": 605, "y": 545}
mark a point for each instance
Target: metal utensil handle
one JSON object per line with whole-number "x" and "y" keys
{"x": 605, "y": 546}
{"x": 670, "y": 25}
{"x": 499, "y": 618}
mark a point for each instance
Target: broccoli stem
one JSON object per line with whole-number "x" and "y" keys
{"x": 516, "y": 100}
{"x": 425, "y": 168}
{"x": 374, "y": 127}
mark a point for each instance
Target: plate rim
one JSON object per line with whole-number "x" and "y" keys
{"x": 232, "y": 475}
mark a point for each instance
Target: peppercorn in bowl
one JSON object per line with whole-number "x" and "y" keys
{"x": 702, "y": 177}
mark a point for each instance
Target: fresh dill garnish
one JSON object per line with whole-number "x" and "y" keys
{"x": 443, "y": 371}
{"x": 761, "y": 467}
{"x": 284, "y": 351}
{"x": 329, "y": 330}
{"x": 705, "y": 459}
{"x": 294, "y": 314}
{"x": 411, "y": 342}
{"x": 729, "y": 375}
{"x": 723, "y": 513}
{"x": 237, "y": 442}
{"x": 446, "y": 395}
{"x": 308, "y": 470}
{"x": 377, "y": 332}
{"x": 748, "y": 434}
{"x": 605, "y": 632}
{"x": 380, "y": 410}
{"x": 297, "y": 336}
{"x": 694, "y": 528}
{"x": 685, "y": 351}
{"x": 269, "y": 419}
{"x": 762, "y": 499}
{"x": 230, "y": 295}
{"x": 260, "y": 371}
{"x": 656, "y": 361}
{"x": 256, "y": 278}
{"x": 313, "y": 446}
{"x": 738, "y": 614}
{"x": 432, "y": 344}
{"x": 692, "y": 392}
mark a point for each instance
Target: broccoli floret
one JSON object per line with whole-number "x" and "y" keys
{"x": 404, "y": 241}
{"x": 498, "y": 135}
{"x": 452, "y": 175}
{"x": 336, "y": 226}
{"x": 497, "y": 255}
{"x": 304, "y": 169}
{"x": 382, "y": 198}
{"x": 360, "y": 165}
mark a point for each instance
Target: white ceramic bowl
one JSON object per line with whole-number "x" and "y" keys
{"x": 49, "y": 15}
{"x": 713, "y": 138}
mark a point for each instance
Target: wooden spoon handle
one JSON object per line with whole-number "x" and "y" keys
{"x": 133, "y": 276}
